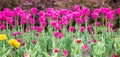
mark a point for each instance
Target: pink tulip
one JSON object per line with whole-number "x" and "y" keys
{"x": 1, "y": 24}
{"x": 35, "y": 42}
{"x": 107, "y": 23}
{"x": 41, "y": 13}
{"x": 85, "y": 47}
{"x": 53, "y": 23}
{"x": 118, "y": 11}
{"x": 98, "y": 24}
{"x": 49, "y": 11}
{"x": 96, "y": 10}
{"x": 76, "y": 8}
{"x": 64, "y": 11}
{"x": 71, "y": 29}
{"x": 41, "y": 19}
{"x": 39, "y": 29}
{"x": 86, "y": 18}
{"x": 9, "y": 20}
{"x": 110, "y": 15}
{"x": 95, "y": 15}
{"x": 95, "y": 40}
{"x": 32, "y": 21}
{"x": 103, "y": 10}
{"x": 37, "y": 34}
{"x": 69, "y": 16}
{"x": 111, "y": 25}
{"x": 3, "y": 27}
{"x": 115, "y": 30}
{"x": 56, "y": 34}
{"x": 43, "y": 24}
{"x": 79, "y": 20}
{"x": 60, "y": 35}
{"x": 19, "y": 40}
{"x": 107, "y": 30}
{"x": 14, "y": 34}
{"x": 17, "y": 10}
{"x": 90, "y": 29}
{"x": 86, "y": 11}
{"x": 23, "y": 22}
{"x": 65, "y": 53}
{"x": 32, "y": 27}
{"x": 82, "y": 29}
{"x": 13, "y": 26}
{"x": 89, "y": 41}
{"x": 58, "y": 27}
{"x": 26, "y": 30}
{"x": 34, "y": 10}
{"x": 23, "y": 44}
{"x": 76, "y": 14}
{"x": 18, "y": 33}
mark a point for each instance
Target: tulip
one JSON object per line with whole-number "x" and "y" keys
{"x": 85, "y": 47}
{"x": 56, "y": 50}
{"x": 65, "y": 53}
{"x": 71, "y": 29}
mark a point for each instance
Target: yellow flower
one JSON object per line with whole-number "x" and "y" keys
{"x": 3, "y": 37}
{"x": 14, "y": 43}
